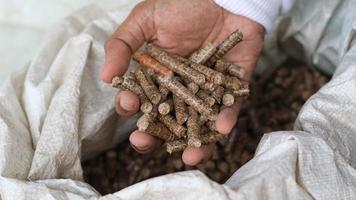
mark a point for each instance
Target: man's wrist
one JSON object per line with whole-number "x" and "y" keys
{"x": 264, "y": 12}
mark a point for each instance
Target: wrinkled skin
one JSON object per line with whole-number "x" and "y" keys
{"x": 180, "y": 27}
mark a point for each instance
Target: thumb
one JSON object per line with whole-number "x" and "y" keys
{"x": 130, "y": 35}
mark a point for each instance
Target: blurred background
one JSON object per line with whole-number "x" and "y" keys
{"x": 22, "y": 26}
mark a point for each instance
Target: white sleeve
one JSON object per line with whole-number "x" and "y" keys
{"x": 262, "y": 11}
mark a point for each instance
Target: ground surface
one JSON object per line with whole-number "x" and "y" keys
{"x": 275, "y": 100}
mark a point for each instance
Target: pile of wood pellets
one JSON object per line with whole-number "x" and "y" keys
{"x": 275, "y": 100}
{"x": 181, "y": 97}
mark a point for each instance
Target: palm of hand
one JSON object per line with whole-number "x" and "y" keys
{"x": 180, "y": 27}
{"x": 183, "y": 26}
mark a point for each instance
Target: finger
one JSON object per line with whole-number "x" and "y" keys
{"x": 143, "y": 142}
{"x": 227, "y": 118}
{"x": 245, "y": 54}
{"x": 193, "y": 156}
{"x": 127, "y": 103}
{"x": 127, "y": 38}
{"x": 117, "y": 59}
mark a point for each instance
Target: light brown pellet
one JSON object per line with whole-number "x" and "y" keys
{"x": 202, "y": 120}
{"x": 189, "y": 98}
{"x": 210, "y": 86}
{"x": 164, "y": 92}
{"x": 131, "y": 75}
{"x": 210, "y": 74}
{"x": 146, "y": 107}
{"x": 203, "y": 54}
{"x": 176, "y": 146}
{"x": 156, "y": 129}
{"x": 203, "y": 94}
{"x": 176, "y": 65}
{"x": 193, "y": 87}
{"x": 228, "y": 99}
{"x": 181, "y": 110}
{"x": 234, "y": 70}
{"x": 147, "y": 117}
{"x": 129, "y": 83}
{"x": 211, "y": 125}
{"x": 193, "y": 131}
{"x": 232, "y": 82}
{"x": 181, "y": 59}
{"x": 173, "y": 125}
{"x": 218, "y": 93}
{"x": 221, "y": 66}
{"x": 166, "y": 107}
{"x": 226, "y": 46}
{"x": 148, "y": 86}
{"x": 243, "y": 92}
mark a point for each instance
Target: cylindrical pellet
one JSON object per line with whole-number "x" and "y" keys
{"x": 146, "y": 107}
{"x": 218, "y": 93}
{"x": 149, "y": 62}
{"x": 129, "y": 83}
{"x": 193, "y": 87}
{"x": 164, "y": 92}
{"x": 210, "y": 86}
{"x": 148, "y": 86}
{"x": 193, "y": 126}
{"x": 234, "y": 70}
{"x": 166, "y": 107}
{"x": 241, "y": 92}
{"x": 178, "y": 89}
{"x": 203, "y": 94}
{"x": 172, "y": 125}
{"x": 211, "y": 125}
{"x": 202, "y": 120}
{"x": 183, "y": 60}
{"x": 225, "y": 46}
{"x": 210, "y": 74}
{"x": 181, "y": 110}
{"x": 232, "y": 82}
{"x": 203, "y": 54}
{"x": 176, "y": 65}
{"x": 228, "y": 99}
{"x": 176, "y": 146}
{"x": 156, "y": 129}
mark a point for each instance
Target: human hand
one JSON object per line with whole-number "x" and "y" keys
{"x": 180, "y": 27}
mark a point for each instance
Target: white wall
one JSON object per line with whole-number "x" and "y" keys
{"x": 22, "y": 26}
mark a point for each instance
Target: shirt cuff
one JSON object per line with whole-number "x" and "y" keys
{"x": 264, "y": 12}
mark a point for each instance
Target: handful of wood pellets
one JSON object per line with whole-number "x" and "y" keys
{"x": 181, "y": 97}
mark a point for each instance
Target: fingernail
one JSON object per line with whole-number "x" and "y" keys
{"x": 140, "y": 149}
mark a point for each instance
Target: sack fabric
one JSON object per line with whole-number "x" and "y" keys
{"x": 55, "y": 112}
